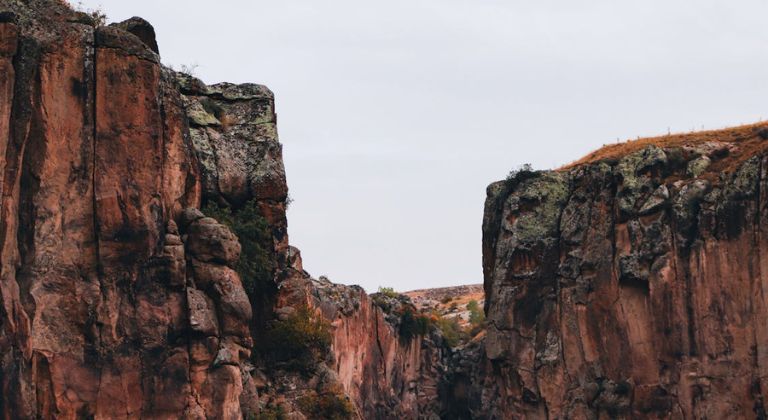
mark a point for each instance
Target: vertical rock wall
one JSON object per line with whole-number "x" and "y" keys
{"x": 100, "y": 315}
{"x": 629, "y": 288}
{"x": 120, "y": 299}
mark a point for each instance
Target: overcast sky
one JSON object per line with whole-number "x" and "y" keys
{"x": 396, "y": 114}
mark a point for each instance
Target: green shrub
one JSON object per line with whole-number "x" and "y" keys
{"x": 476, "y": 313}
{"x": 412, "y": 323}
{"x": 453, "y": 334}
{"x": 476, "y": 318}
{"x": 330, "y": 404}
{"x": 445, "y": 300}
{"x": 300, "y": 342}
{"x": 386, "y": 298}
{"x": 523, "y": 169}
{"x": 388, "y": 292}
{"x": 271, "y": 413}
{"x": 256, "y": 265}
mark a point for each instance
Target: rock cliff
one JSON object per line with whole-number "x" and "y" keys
{"x": 121, "y": 296}
{"x": 629, "y": 285}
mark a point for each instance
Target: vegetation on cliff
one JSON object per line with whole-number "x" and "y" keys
{"x": 256, "y": 265}
{"x": 455, "y": 324}
{"x": 412, "y": 323}
{"x": 329, "y": 404}
{"x": 298, "y": 342}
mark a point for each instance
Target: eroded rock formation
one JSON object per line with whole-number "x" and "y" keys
{"x": 117, "y": 302}
{"x": 120, "y": 297}
{"x": 633, "y": 286}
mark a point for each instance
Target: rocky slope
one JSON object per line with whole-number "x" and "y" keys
{"x": 449, "y": 302}
{"x": 630, "y": 285}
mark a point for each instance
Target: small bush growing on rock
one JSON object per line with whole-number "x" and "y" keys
{"x": 453, "y": 334}
{"x": 522, "y": 169}
{"x": 299, "y": 342}
{"x": 388, "y": 292}
{"x": 445, "y": 300}
{"x": 189, "y": 69}
{"x": 330, "y": 404}
{"x": 412, "y": 323}
{"x": 476, "y": 318}
{"x": 476, "y": 313}
{"x": 387, "y": 299}
{"x": 271, "y": 413}
{"x": 97, "y": 16}
{"x": 256, "y": 265}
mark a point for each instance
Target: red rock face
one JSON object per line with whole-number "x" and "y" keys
{"x": 627, "y": 289}
{"x": 101, "y": 316}
{"x": 387, "y": 376}
{"x": 384, "y": 375}
{"x": 120, "y": 299}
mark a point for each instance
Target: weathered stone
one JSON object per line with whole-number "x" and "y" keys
{"x": 202, "y": 315}
{"x": 656, "y": 201}
{"x": 535, "y": 207}
{"x": 697, "y": 166}
{"x": 199, "y": 116}
{"x": 631, "y": 169}
{"x": 96, "y": 164}
{"x": 142, "y": 30}
{"x": 128, "y": 43}
{"x": 210, "y": 241}
{"x": 594, "y": 324}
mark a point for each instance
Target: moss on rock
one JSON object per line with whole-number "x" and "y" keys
{"x": 538, "y": 203}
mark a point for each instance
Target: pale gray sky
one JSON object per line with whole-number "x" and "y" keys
{"x": 396, "y": 114}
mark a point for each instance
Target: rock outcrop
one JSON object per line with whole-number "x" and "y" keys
{"x": 385, "y": 375}
{"x": 120, "y": 297}
{"x": 630, "y": 285}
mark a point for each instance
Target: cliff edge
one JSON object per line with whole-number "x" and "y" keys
{"x": 631, "y": 284}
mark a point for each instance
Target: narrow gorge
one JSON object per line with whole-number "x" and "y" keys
{"x": 146, "y": 269}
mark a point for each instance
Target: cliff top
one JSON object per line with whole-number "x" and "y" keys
{"x": 737, "y": 144}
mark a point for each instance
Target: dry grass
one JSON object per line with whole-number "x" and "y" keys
{"x": 745, "y": 137}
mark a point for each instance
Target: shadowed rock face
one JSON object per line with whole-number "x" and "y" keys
{"x": 629, "y": 288}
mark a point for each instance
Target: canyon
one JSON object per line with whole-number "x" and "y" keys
{"x": 146, "y": 269}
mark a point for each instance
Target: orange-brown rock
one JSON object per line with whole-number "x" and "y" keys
{"x": 100, "y": 315}
{"x": 384, "y": 375}
{"x": 120, "y": 298}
